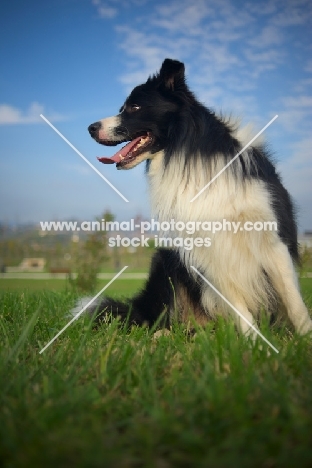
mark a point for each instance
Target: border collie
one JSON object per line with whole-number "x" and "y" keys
{"x": 185, "y": 145}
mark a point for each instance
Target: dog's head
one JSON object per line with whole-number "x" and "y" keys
{"x": 146, "y": 119}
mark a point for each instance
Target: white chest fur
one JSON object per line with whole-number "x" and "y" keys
{"x": 233, "y": 261}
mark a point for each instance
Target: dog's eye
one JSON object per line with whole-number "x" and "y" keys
{"x": 135, "y": 107}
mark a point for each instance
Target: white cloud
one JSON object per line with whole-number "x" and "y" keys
{"x": 108, "y": 9}
{"x": 293, "y": 120}
{"x": 308, "y": 66}
{"x": 10, "y": 115}
{"x": 222, "y": 40}
{"x": 104, "y": 9}
{"x": 79, "y": 168}
{"x": 296, "y": 114}
{"x": 269, "y": 57}
{"x": 146, "y": 52}
{"x": 269, "y": 36}
{"x": 303, "y": 85}
{"x": 222, "y": 36}
{"x": 293, "y": 13}
{"x": 299, "y": 101}
{"x": 258, "y": 8}
{"x": 107, "y": 12}
{"x": 182, "y": 16}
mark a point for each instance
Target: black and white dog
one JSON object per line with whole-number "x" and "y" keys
{"x": 185, "y": 145}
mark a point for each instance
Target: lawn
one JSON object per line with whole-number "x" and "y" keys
{"x": 118, "y": 287}
{"x": 112, "y": 398}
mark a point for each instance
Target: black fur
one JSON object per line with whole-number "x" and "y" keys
{"x": 187, "y": 130}
{"x": 167, "y": 274}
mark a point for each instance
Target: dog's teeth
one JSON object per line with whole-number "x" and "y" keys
{"x": 121, "y": 157}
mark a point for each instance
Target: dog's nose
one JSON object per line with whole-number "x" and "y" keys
{"x": 93, "y": 128}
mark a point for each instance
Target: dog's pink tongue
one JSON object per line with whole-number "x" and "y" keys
{"x": 121, "y": 154}
{"x": 112, "y": 160}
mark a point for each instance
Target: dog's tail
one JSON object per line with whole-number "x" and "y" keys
{"x": 104, "y": 308}
{"x": 157, "y": 301}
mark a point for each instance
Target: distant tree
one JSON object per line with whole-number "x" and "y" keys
{"x": 305, "y": 260}
{"x": 89, "y": 257}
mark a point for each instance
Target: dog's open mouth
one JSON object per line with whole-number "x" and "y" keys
{"x": 130, "y": 151}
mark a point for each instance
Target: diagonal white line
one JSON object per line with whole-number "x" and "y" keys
{"x": 82, "y": 310}
{"x": 232, "y": 160}
{"x": 82, "y": 156}
{"x": 236, "y": 310}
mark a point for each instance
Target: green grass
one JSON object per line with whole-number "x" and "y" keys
{"x": 32, "y": 285}
{"x": 108, "y": 398}
{"x": 120, "y": 286}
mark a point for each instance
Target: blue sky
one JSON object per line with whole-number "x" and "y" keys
{"x": 76, "y": 60}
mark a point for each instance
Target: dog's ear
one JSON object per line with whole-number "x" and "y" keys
{"x": 172, "y": 74}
